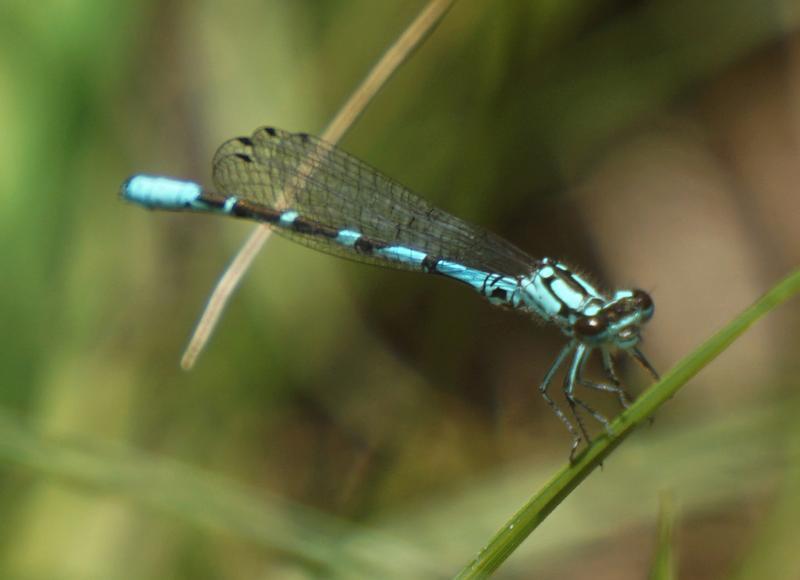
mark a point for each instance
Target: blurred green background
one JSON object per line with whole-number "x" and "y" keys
{"x": 353, "y": 422}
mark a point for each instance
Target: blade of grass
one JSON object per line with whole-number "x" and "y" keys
{"x": 300, "y": 533}
{"x": 773, "y": 552}
{"x": 534, "y": 512}
{"x": 397, "y": 54}
{"x": 425, "y": 538}
{"x": 715, "y": 460}
{"x": 664, "y": 560}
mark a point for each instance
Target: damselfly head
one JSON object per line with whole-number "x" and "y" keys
{"x": 618, "y": 321}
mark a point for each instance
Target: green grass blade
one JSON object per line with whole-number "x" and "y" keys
{"x": 664, "y": 560}
{"x": 303, "y": 535}
{"x": 534, "y": 512}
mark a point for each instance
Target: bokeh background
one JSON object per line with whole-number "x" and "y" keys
{"x": 353, "y": 422}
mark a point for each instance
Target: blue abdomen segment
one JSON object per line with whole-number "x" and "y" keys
{"x": 498, "y": 289}
{"x": 157, "y": 192}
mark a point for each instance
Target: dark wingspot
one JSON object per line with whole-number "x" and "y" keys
{"x": 303, "y": 137}
{"x": 244, "y": 157}
{"x": 270, "y": 130}
{"x": 245, "y": 141}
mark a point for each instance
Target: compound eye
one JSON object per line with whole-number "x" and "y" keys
{"x": 643, "y": 302}
{"x": 590, "y": 326}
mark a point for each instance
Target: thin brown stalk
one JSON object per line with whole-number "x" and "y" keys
{"x": 391, "y": 60}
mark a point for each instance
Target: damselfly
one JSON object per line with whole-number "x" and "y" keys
{"x": 318, "y": 195}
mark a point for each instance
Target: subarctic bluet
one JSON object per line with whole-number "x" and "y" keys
{"x": 321, "y": 196}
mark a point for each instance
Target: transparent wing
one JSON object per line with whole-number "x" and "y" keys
{"x": 323, "y": 183}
